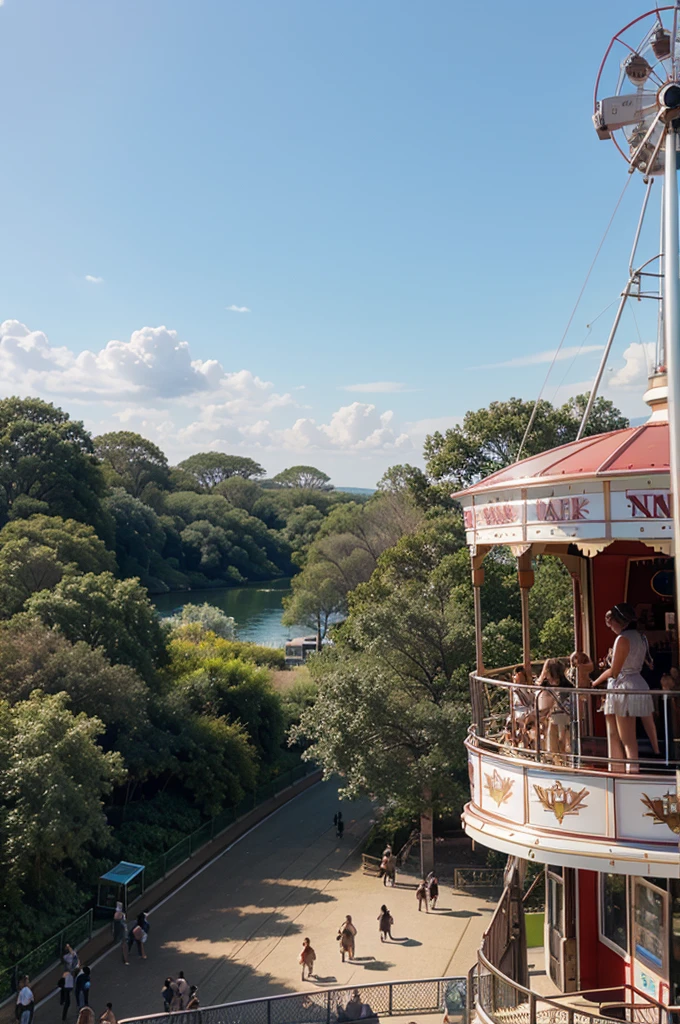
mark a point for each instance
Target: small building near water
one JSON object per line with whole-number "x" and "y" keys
{"x": 298, "y": 650}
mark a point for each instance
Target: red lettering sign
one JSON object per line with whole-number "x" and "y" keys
{"x": 649, "y": 504}
{"x": 562, "y": 510}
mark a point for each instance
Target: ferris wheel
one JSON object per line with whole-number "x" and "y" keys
{"x": 637, "y": 91}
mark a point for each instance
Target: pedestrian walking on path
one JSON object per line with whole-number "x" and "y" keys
{"x": 108, "y": 1016}
{"x": 433, "y": 891}
{"x": 86, "y": 1015}
{"x": 385, "y": 922}
{"x": 307, "y": 958}
{"x": 82, "y": 987}
{"x": 120, "y": 931}
{"x": 340, "y": 826}
{"x": 421, "y": 895}
{"x": 193, "y": 1003}
{"x": 71, "y": 959}
{"x": 182, "y": 986}
{"x": 346, "y": 936}
{"x": 138, "y": 936}
{"x": 66, "y": 984}
{"x": 167, "y": 994}
{"x": 25, "y": 1001}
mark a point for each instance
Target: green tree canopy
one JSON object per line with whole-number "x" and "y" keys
{"x": 489, "y": 439}
{"x": 53, "y": 777}
{"x": 392, "y": 706}
{"x": 307, "y": 478}
{"x": 138, "y": 533}
{"x": 115, "y": 615}
{"x": 47, "y": 464}
{"x": 132, "y": 462}
{"x": 74, "y": 544}
{"x": 209, "y": 618}
{"x": 210, "y": 468}
{"x": 33, "y": 657}
{"x": 241, "y": 493}
{"x": 25, "y": 569}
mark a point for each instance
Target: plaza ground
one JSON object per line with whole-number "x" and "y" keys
{"x": 236, "y": 927}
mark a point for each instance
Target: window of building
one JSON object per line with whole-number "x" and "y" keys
{"x": 649, "y": 924}
{"x": 614, "y": 910}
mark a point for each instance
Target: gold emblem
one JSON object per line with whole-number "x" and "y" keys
{"x": 664, "y": 810}
{"x": 498, "y": 787}
{"x": 560, "y": 800}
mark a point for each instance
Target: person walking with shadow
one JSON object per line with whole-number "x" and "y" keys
{"x": 433, "y": 891}
{"x": 421, "y": 896}
{"x": 307, "y": 958}
{"x": 339, "y": 826}
{"x": 346, "y": 937}
{"x": 385, "y": 922}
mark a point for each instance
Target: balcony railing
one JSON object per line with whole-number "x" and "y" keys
{"x": 502, "y": 1001}
{"x": 497, "y": 725}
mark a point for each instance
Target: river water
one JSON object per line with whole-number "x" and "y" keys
{"x": 256, "y": 608}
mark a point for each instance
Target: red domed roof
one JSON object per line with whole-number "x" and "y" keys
{"x": 639, "y": 450}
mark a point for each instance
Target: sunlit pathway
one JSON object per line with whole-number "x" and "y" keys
{"x": 236, "y": 929}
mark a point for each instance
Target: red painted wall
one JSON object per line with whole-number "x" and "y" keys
{"x": 609, "y": 586}
{"x": 599, "y": 966}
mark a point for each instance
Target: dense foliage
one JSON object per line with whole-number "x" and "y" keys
{"x": 120, "y": 733}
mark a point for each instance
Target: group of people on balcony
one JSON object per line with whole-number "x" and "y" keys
{"x": 546, "y": 718}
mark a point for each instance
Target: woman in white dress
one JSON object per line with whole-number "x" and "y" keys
{"x": 622, "y": 707}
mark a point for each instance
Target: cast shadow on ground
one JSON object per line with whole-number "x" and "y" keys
{"x": 457, "y": 913}
{"x": 378, "y": 965}
{"x": 293, "y": 894}
{"x": 329, "y": 980}
{"x": 268, "y": 924}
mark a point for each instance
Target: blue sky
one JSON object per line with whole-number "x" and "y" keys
{"x": 397, "y": 193}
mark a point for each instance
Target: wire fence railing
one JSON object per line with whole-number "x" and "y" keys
{"x": 333, "y": 1005}
{"x": 75, "y": 934}
{"x": 80, "y": 931}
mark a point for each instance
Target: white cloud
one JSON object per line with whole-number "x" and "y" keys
{"x": 355, "y": 427}
{"x": 238, "y": 309}
{"x": 94, "y": 280}
{"x": 377, "y": 387}
{"x": 153, "y": 384}
{"x": 632, "y": 376}
{"x": 418, "y": 430}
{"x": 543, "y": 357}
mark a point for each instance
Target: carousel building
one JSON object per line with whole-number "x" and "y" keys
{"x": 605, "y": 832}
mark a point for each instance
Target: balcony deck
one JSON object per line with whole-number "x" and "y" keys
{"x": 576, "y": 809}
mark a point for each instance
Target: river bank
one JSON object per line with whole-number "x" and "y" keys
{"x": 256, "y": 609}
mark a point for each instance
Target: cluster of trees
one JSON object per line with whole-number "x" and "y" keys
{"x": 118, "y": 732}
{"x": 392, "y": 707}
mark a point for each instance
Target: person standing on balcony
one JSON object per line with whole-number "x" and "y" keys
{"x": 628, "y": 697}
{"x": 555, "y": 708}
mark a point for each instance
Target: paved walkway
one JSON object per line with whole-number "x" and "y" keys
{"x": 236, "y": 927}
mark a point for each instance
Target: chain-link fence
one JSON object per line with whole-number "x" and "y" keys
{"x": 80, "y": 930}
{"x": 333, "y": 1006}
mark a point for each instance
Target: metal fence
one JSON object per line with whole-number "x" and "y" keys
{"x": 503, "y": 1001}
{"x": 332, "y": 1006}
{"x": 75, "y": 934}
{"x": 80, "y": 930}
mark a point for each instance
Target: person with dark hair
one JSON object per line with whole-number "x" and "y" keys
{"x": 82, "y": 987}
{"x": 108, "y": 1016}
{"x": 554, "y": 708}
{"x": 193, "y": 1003}
{"x": 628, "y": 697}
{"x": 385, "y": 922}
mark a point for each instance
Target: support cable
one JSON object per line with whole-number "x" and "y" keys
{"x": 571, "y": 317}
